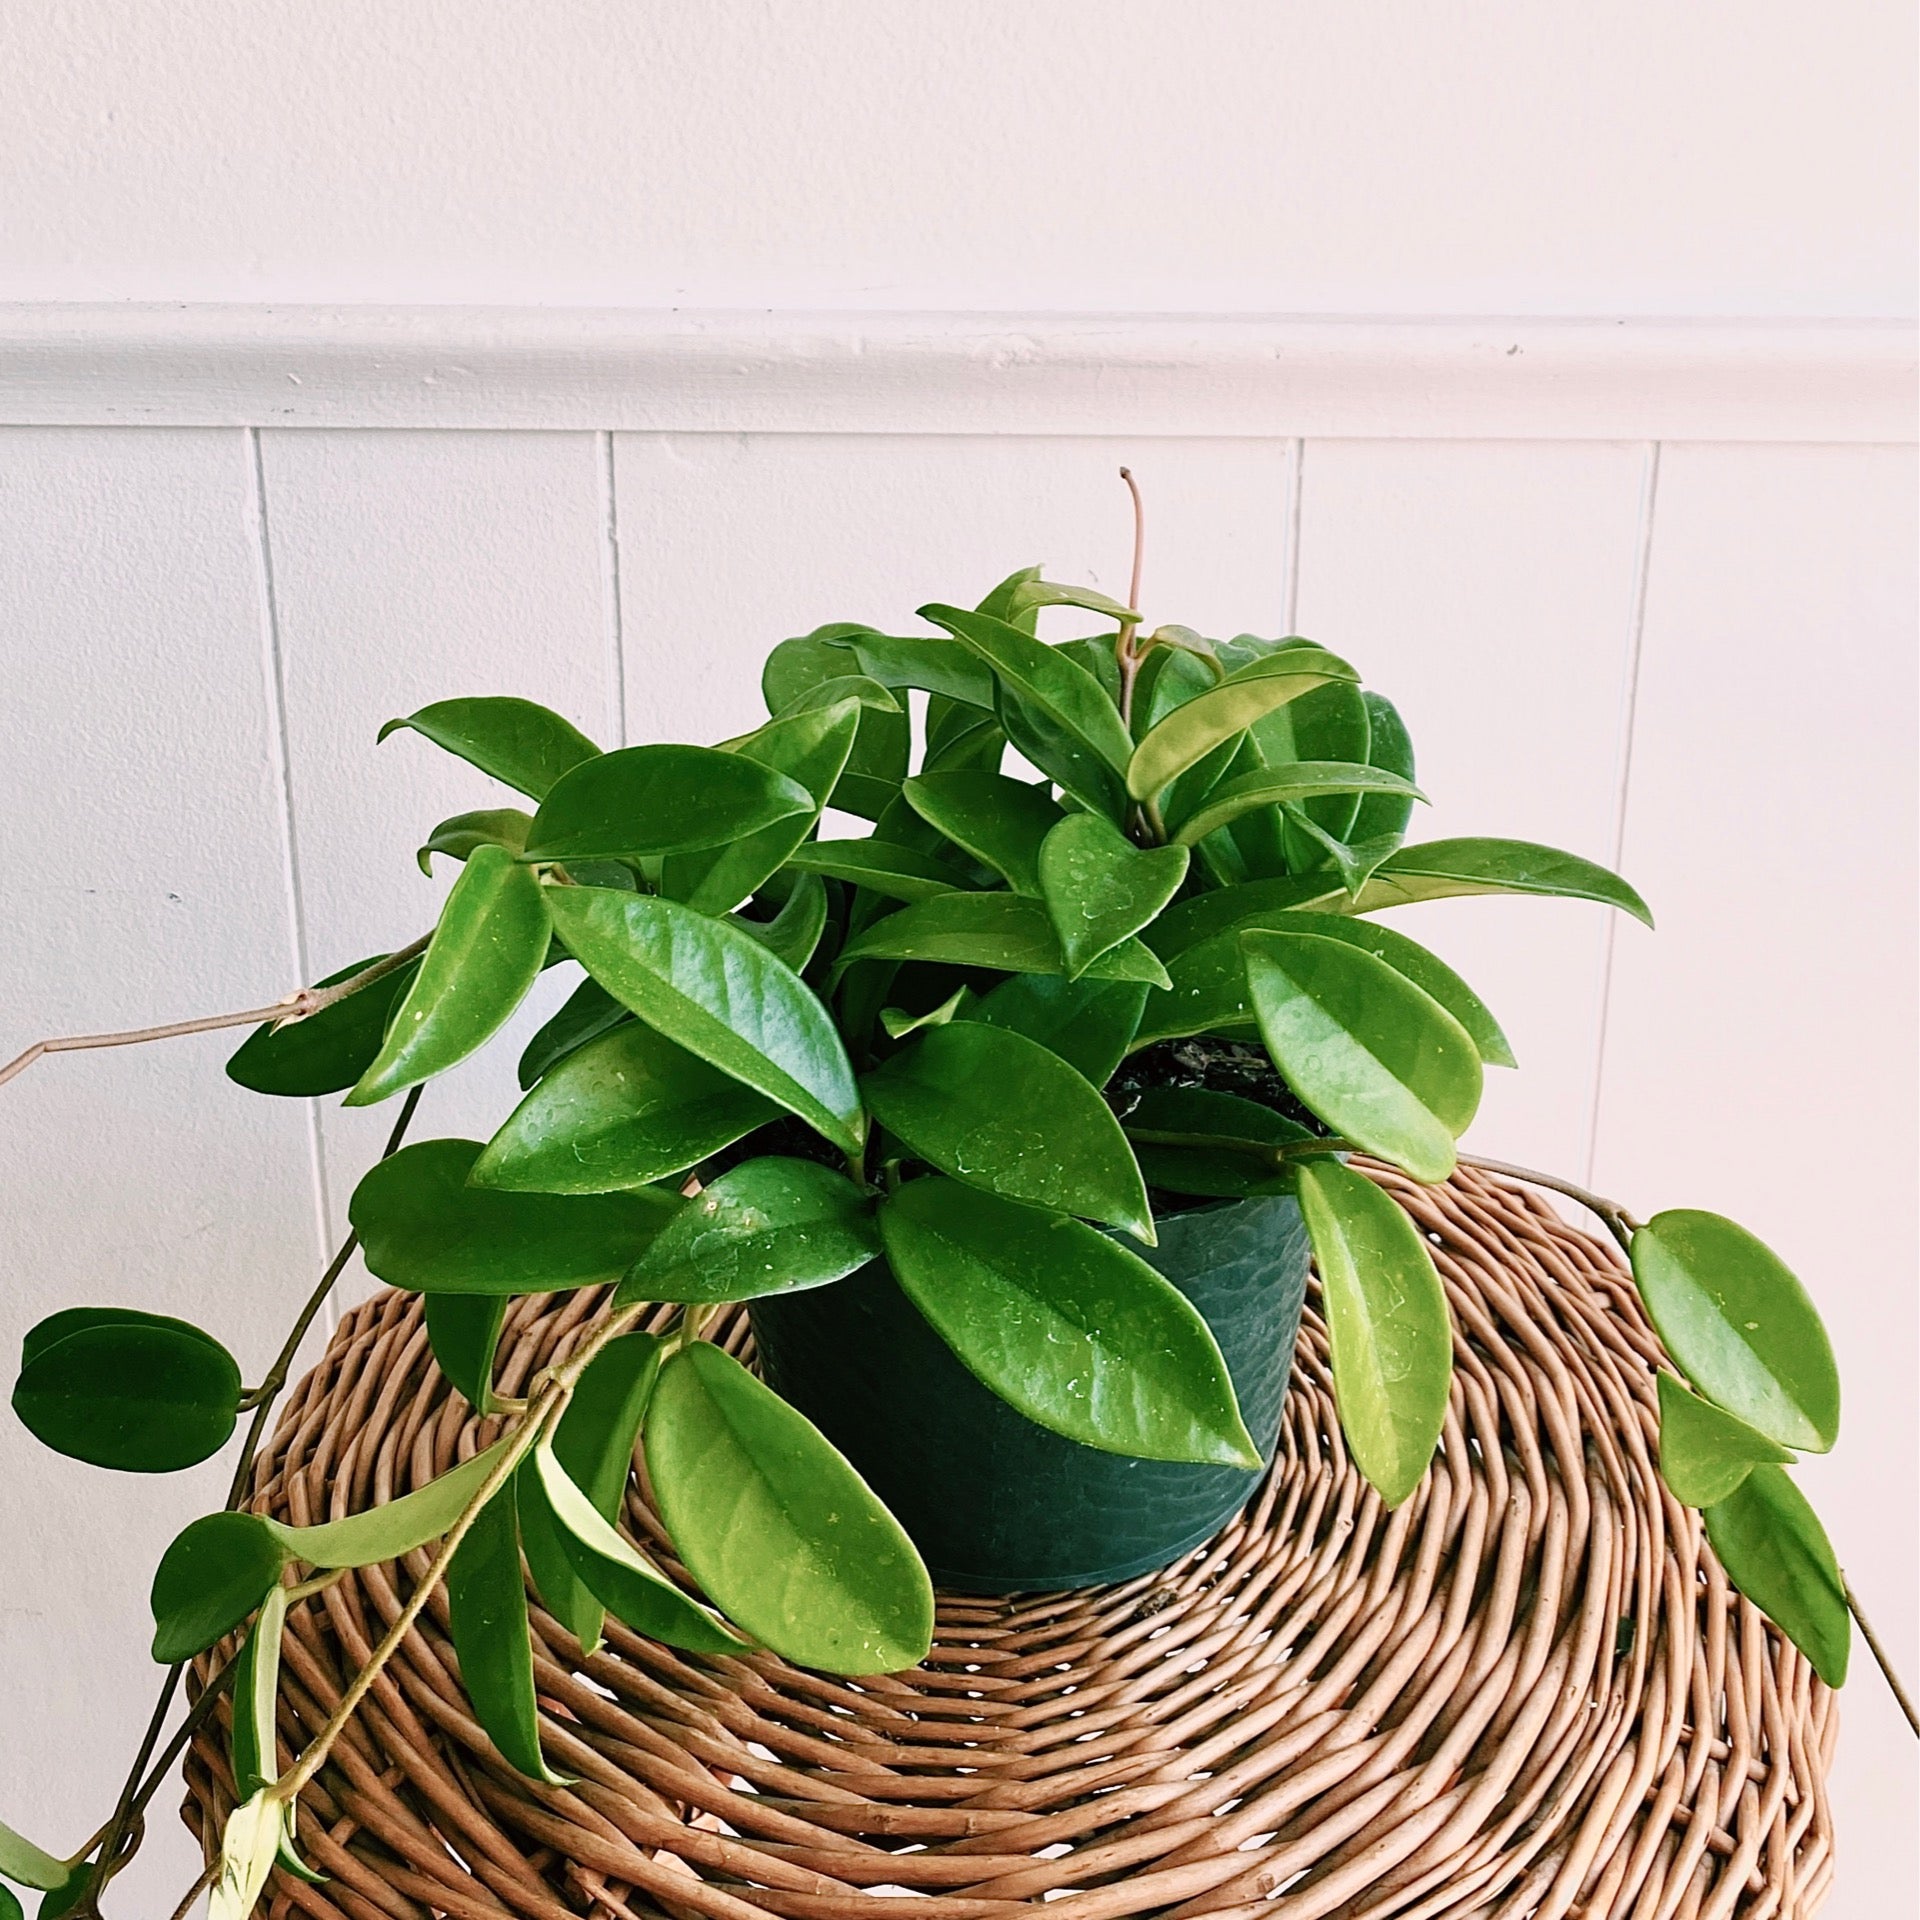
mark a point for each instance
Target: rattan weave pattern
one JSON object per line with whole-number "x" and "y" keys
{"x": 1529, "y": 1692}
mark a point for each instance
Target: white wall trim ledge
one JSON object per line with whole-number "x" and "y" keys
{"x": 964, "y": 373}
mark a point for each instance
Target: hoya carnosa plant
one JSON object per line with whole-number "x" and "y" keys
{"x": 792, "y": 1050}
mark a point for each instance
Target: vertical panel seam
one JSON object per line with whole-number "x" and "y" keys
{"x": 1629, "y": 713}
{"x": 610, "y": 573}
{"x": 279, "y": 746}
{"x": 1296, "y": 474}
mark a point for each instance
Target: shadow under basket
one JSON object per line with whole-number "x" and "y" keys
{"x": 1527, "y": 1694}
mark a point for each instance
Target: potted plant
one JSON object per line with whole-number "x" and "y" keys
{"x": 1014, "y": 1118}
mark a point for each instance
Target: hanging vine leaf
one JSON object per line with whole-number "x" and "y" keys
{"x": 214, "y": 1574}
{"x": 1777, "y": 1553}
{"x": 1705, "y": 1453}
{"x": 463, "y": 1329}
{"x": 329, "y": 1050}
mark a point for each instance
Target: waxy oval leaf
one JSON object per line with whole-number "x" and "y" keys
{"x": 1777, "y": 1553}
{"x": 1066, "y": 1325}
{"x": 1293, "y": 782}
{"x": 215, "y": 1573}
{"x": 1387, "y": 1323}
{"x": 1443, "y": 869}
{"x": 460, "y": 837}
{"x": 256, "y": 1689}
{"x": 622, "y": 1111}
{"x": 463, "y": 1329}
{"x": 329, "y": 1050}
{"x": 720, "y": 994}
{"x": 1203, "y": 723}
{"x": 396, "y": 1526}
{"x": 771, "y": 1225}
{"x": 643, "y": 802}
{"x": 1203, "y": 915}
{"x": 1000, "y": 821}
{"x": 1089, "y": 1023}
{"x": 1193, "y": 1140}
{"x": 21, "y": 1860}
{"x": 1704, "y": 1452}
{"x": 487, "y": 950}
{"x": 1389, "y": 745}
{"x": 133, "y": 1391}
{"x": 423, "y": 1227}
{"x": 898, "y": 873}
{"x": 1006, "y": 931}
{"x": 1100, "y": 889}
{"x": 776, "y": 1527}
{"x": 1005, "y": 1114}
{"x": 1739, "y": 1326}
{"x": 1375, "y": 1057}
{"x": 936, "y": 665}
{"x": 588, "y": 1012}
{"x": 528, "y": 747}
{"x": 793, "y": 934}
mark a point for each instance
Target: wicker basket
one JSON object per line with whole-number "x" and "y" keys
{"x": 1529, "y": 1692}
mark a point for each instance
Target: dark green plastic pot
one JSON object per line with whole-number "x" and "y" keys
{"x": 995, "y": 1503}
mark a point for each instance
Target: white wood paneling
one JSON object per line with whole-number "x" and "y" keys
{"x": 1489, "y": 591}
{"x": 1760, "y": 1047}
{"x": 145, "y": 879}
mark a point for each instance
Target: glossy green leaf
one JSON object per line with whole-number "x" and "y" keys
{"x": 463, "y": 835}
{"x": 217, "y": 1570}
{"x": 1099, "y": 888}
{"x": 1328, "y": 724}
{"x": 1297, "y": 780}
{"x": 1088, "y": 1023}
{"x": 1387, "y": 1324}
{"x": 528, "y": 747}
{"x": 622, "y": 1111}
{"x": 1001, "y": 822}
{"x": 463, "y": 1329}
{"x": 1052, "y": 711}
{"x": 487, "y": 1611}
{"x": 487, "y": 951}
{"x": 256, "y": 1683}
{"x": 1027, "y": 592}
{"x": 961, "y": 736}
{"x": 422, "y": 1226}
{"x": 720, "y": 994}
{"x": 588, "y": 1012}
{"x": 1006, "y": 602}
{"x": 9, "y": 1904}
{"x": 1095, "y": 658}
{"x": 1066, "y": 1325}
{"x": 1390, "y": 746}
{"x": 329, "y": 1050}
{"x": 811, "y": 748}
{"x": 1356, "y": 864}
{"x": 1216, "y": 1145}
{"x": 621, "y": 1577}
{"x": 1003, "y": 1113}
{"x": 1739, "y": 1326}
{"x": 1378, "y": 1059}
{"x": 1217, "y": 715}
{"x": 644, "y": 802}
{"x": 899, "y": 1022}
{"x": 1005, "y": 931}
{"x": 900, "y": 873}
{"x": 939, "y": 666}
{"x": 248, "y": 1845}
{"x": 21, "y": 1860}
{"x": 1704, "y": 1452}
{"x": 132, "y": 1391}
{"x": 1442, "y": 869}
{"x": 1203, "y": 915}
{"x": 796, "y": 666}
{"x": 860, "y": 688}
{"x": 65, "y": 1898}
{"x": 1777, "y": 1553}
{"x": 776, "y": 1527}
{"x": 396, "y": 1526}
{"x": 792, "y": 936}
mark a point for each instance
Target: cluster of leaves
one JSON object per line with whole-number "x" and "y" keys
{"x": 792, "y": 1052}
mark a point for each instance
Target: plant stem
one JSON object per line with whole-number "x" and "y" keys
{"x": 1617, "y": 1220}
{"x": 200, "y": 1886}
{"x": 1881, "y": 1658}
{"x": 1124, "y": 654}
{"x": 300, "y": 1005}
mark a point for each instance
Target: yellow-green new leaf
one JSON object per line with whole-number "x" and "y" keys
{"x": 1777, "y": 1553}
{"x": 1444, "y": 869}
{"x": 1387, "y": 1322}
{"x": 1293, "y": 781}
{"x": 21, "y": 1860}
{"x": 387, "y": 1531}
{"x": 1705, "y": 1453}
{"x": 247, "y": 1850}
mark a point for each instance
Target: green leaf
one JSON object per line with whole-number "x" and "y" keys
{"x": 463, "y": 1329}
{"x": 395, "y": 1527}
{"x": 1007, "y": 1115}
{"x": 9, "y": 1904}
{"x": 1095, "y": 658}
{"x": 248, "y": 1846}
{"x": 1203, "y": 915}
{"x": 623, "y": 1111}
{"x": 1296, "y": 780}
{"x": 793, "y": 934}
{"x": 644, "y": 802}
{"x": 1027, "y": 592}
{"x": 619, "y": 1575}
{"x": 720, "y": 994}
{"x": 1006, "y": 931}
{"x": 214, "y": 1574}
{"x": 797, "y": 666}
{"x": 1442, "y": 869}
{"x": 65, "y": 1898}
{"x": 21, "y": 1860}
{"x": 1328, "y": 724}
{"x": 810, "y": 748}
{"x": 1378, "y": 1059}
{"x": 1193, "y": 1140}
{"x": 1777, "y": 1553}
{"x": 1390, "y": 746}
{"x": 771, "y": 1225}
{"x": 961, "y": 736}
{"x": 1053, "y": 712}
{"x": 487, "y": 1611}
{"x": 935, "y": 665}
{"x": 462, "y": 836}
{"x": 1387, "y": 1323}
{"x": 588, "y": 1012}
{"x": 900, "y": 873}
{"x": 1088, "y": 1023}
{"x": 423, "y": 1227}
{"x": 1001, "y": 822}
{"x": 1739, "y": 1326}
{"x": 594, "y": 1443}
{"x": 1100, "y": 889}
{"x": 775, "y": 1525}
{"x": 526, "y": 746}
{"x": 1356, "y": 864}
{"x": 328, "y": 1050}
{"x": 1705, "y": 1453}
{"x": 1065, "y": 1325}
{"x": 899, "y": 1023}
{"x": 1246, "y": 694}
{"x": 133, "y": 1391}
{"x": 256, "y": 1685}
{"x": 486, "y": 953}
